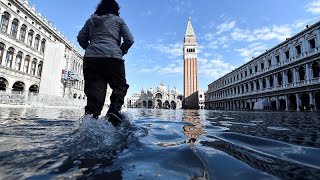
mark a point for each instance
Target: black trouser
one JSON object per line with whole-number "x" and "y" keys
{"x": 98, "y": 72}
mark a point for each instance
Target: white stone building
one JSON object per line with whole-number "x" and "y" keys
{"x": 286, "y": 77}
{"x": 160, "y": 97}
{"x": 33, "y": 54}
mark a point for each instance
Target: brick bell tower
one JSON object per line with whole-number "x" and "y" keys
{"x": 190, "y": 56}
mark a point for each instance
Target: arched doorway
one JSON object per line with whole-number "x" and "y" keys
{"x": 317, "y": 98}
{"x": 75, "y": 95}
{"x": 166, "y": 105}
{"x": 3, "y": 84}
{"x": 34, "y": 89}
{"x": 144, "y": 104}
{"x": 159, "y": 103}
{"x": 18, "y": 86}
{"x": 149, "y": 104}
{"x": 305, "y": 101}
{"x": 173, "y": 105}
{"x": 292, "y": 102}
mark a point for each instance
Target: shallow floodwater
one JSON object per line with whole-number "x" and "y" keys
{"x": 159, "y": 144}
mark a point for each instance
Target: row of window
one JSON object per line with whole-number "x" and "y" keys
{"x": 18, "y": 62}
{"x": 266, "y": 64}
{"x": 272, "y": 82}
{"x": 23, "y": 36}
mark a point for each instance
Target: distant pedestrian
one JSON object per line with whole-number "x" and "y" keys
{"x": 103, "y": 60}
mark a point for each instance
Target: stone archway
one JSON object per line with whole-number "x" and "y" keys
{"x": 18, "y": 86}
{"x": 150, "y": 104}
{"x": 159, "y": 96}
{"x": 159, "y": 103}
{"x": 3, "y": 84}
{"x": 166, "y": 105}
{"x": 283, "y": 105}
{"x": 173, "y": 105}
{"x": 292, "y": 102}
{"x": 75, "y": 95}
{"x": 317, "y": 99}
{"x": 305, "y": 101}
{"x": 144, "y": 104}
{"x": 34, "y": 89}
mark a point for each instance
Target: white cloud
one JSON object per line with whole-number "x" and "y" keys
{"x": 253, "y": 50}
{"x": 172, "y": 50}
{"x": 170, "y": 69}
{"x": 226, "y": 26}
{"x": 146, "y": 13}
{"x": 214, "y": 68}
{"x": 313, "y": 7}
{"x": 265, "y": 33}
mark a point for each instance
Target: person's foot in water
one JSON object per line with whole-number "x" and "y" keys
{"x": 113, "y": 115}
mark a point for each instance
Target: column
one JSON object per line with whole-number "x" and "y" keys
{"x": 295, "y": 78}
{"x": 275, "y": 81}
{"x": 304, "y": 45}
{"x": 4, "y": 56}
{"x": 18, "y": 31}
{"x": 277, "y": 103}
{"x": 308, "y": 72}
{"x": 284, "y": 79}
{"x": 312, "y": 99}
{"x": 10, "y": 24}
{"x": 298, "y": 102}
{"x": 287, "y": 103}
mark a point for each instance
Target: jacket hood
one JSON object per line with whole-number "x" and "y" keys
{"x": 98, "y": 20}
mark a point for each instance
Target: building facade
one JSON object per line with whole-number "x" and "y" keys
{"x": 190, "y": 56}
{"x": 156, "y": 98}
{"x": 285, "y": 77}
{"x": 33, "y": 54}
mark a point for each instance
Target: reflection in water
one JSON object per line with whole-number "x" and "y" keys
{"x": 159, "y": 144}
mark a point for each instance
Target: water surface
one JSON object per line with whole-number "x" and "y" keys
{"x": 159, "y": 144}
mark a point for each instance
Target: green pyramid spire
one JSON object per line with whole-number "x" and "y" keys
{"x": 190, "y": 31}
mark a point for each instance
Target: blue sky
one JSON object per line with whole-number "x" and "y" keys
{"x": 229, "y": 33}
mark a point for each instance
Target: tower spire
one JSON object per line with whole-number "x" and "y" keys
{"x": 190, "y": 31}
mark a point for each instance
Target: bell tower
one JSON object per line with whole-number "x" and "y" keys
{"x": 190, "y": 56}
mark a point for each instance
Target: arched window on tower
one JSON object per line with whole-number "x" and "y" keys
{"x": 2, "y": 47}
{"x": 14, "y": 28}
{"x": 23, "y": 31}
{"x": 5, "y": 22}
{"x": 30, "y": 37}
{"x": 315, "y": 69}
{"x": 9, "y": 57}
{"x": 43, "y": 45}
{"x": 37, "y": 42}
{"x": 18, "y": 61}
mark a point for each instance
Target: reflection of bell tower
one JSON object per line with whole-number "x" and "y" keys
{"x": 190, "y": 51}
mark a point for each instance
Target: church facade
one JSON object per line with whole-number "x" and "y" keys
{"x": 190, "y": 69}
{"x": 34, "y": 54}
{"x": 160, "y": 97}
{"x": 286, "y": 77}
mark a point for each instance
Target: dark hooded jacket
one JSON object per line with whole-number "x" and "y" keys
{"x": 101, "y": 37}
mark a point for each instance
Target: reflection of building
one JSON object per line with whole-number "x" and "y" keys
{"x": 287, "y": 77}
{"x": 190, "y": 51}
{"x": 160, "y": 97}
{"x": 201, "y": 99}
{"x": 33, "y": 54}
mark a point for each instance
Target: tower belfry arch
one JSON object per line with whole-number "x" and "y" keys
{"x": 190, "y": 56}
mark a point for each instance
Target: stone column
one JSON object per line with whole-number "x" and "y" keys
{"x": 4, "y": 56}
{"x": 312, "y": 99}
{"x": 308, "y": 72}
{"x": 294, "y": 75}
{"x": 277, "y": 103}
{"x": 18, "y": 31}
{"x": 304, "y": 47}
{"x": 9, "y": 25}
{"x": 298, "y": 102}
{"x": 287, "y": 103}
{"x": 284, "y": 79}
{"x": 275, "y": 81}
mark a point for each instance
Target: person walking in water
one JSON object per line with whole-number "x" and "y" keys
{"x": 103, "y": 60}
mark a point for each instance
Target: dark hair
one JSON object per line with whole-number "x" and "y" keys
{"x": 107, "y": 7}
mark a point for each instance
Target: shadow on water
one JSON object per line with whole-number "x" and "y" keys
{"x": 159, "y": 144}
